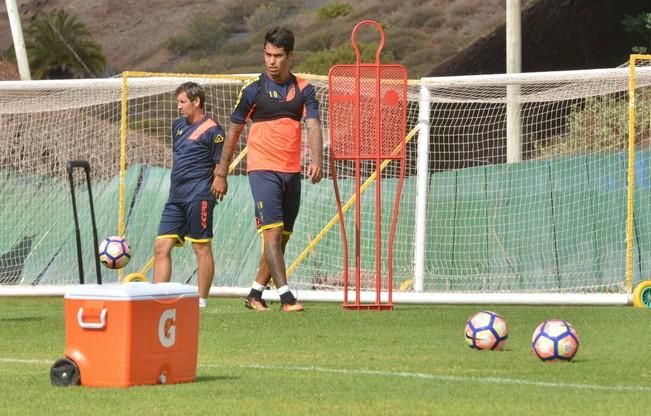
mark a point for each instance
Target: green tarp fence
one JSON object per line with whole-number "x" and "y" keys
{"x": 537, "y": 225}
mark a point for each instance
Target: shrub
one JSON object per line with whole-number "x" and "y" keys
{"x": 316, "y": 40}
{"x": 435, "y": 21}
{"x": 321, "y": 62}
{"x": 333, "y": 10}
{"x": 178, "y": 45}
{"x": 402, "y": 41}
{"x": 232, "y": 47}
{"x": 266, "y": 15}
{"x": 464, "y": 8}
{"x": 237, "y": 13}
{"x": 599, "y": 124}
{"x": 417, "y": 18}
{"x": 204, "y": 36}
{"x": 639, "y": 25}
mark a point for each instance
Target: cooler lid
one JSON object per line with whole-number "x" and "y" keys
{"x": 132, "y": 291}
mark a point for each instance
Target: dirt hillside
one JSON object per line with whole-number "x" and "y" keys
{"x": 430, "y": 37}
{"x": 130, "y": 31}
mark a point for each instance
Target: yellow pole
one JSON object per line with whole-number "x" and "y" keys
{"x": 631, "y": 173}
{"x": 123, "y": 158}
{"x": 123, "y": 150}
{"x": 344, "y": 208}
{"x": 631, "y": 169}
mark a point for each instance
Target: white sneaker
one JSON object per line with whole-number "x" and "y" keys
{"x": 203, "y": 302}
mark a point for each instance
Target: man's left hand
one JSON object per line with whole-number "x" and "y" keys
{"x": 315, "y": 172}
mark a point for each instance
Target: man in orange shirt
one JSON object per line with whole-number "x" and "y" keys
{"x": 276, "y": 102}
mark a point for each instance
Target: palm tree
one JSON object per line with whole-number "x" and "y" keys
{"x": 60, "y": 46}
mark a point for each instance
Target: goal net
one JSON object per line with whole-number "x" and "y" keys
{"x": 122, "y": 127}
{"x": 554, "y": 220}
{"x": 551, "y": 220}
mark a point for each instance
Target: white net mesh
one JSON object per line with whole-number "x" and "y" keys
{"x": 554, "y": 222}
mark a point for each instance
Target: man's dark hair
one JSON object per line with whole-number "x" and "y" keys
{"x": 280, "y": 37}
{"x": 193, "y": 91}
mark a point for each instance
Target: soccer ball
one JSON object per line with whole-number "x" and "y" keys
{"x": 114, "y": 252}
{"x": 555, "y": 340}
{"x": 486, "y": 330}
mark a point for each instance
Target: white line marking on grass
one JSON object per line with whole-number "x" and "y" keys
{"x": 439, "y": 377}
{"x": 226, "y": 312}
{"x": 400, "y": 374}
{"x": 25, "y": 361}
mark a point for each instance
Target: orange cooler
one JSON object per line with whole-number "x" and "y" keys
{"x": 131, "y": 334}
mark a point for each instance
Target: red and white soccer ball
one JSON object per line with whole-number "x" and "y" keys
{"x": 555, "y": 340}
{"x": 114, "y": 252}
{"x": 486, "y": 330}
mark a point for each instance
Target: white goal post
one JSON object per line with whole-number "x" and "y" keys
{"x": 472, "y": 228}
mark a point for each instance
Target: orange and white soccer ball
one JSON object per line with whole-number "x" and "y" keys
{"x": 486, "y": 330}
{"x": 555, "y": 340}
{"x": 114, "y": 252}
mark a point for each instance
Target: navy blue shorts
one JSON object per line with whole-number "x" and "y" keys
{"x": 277, "y": 198}
{"x": 190, "y": 221}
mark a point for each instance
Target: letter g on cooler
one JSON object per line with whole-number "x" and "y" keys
{"x": 167, "y": 328}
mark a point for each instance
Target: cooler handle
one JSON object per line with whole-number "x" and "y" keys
{"x": 91, "y": 325}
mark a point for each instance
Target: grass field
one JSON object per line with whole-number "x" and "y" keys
{"x": 326, "y": 361}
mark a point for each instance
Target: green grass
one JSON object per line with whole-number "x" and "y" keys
{"x": 326, "y": 361}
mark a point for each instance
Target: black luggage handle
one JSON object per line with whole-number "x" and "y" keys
{"x": 70, "y": 167}
{"x": 78, "y": 164}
